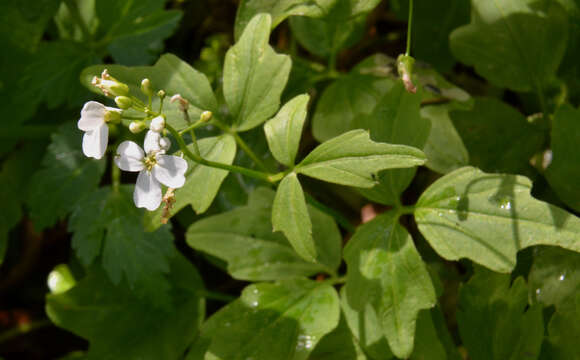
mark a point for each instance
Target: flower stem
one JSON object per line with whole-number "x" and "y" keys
{"x": 234, "y": 168}
{"x": 76, "y": 16}
{"x": 242, "y": 144}
{"x": 339, "y": 218}
{"x": 115, "y": 176}
{"x": 409, "y": 28}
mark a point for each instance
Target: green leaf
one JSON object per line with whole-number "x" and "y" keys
{"x": 284, "y": 320}
{"x": 243, "y": 237}
{"x": 489, "y": 217}
{"x": 284, "y": 130}
{"x": 107, "y": 223}
{"x": 351, "y": 97}
{"x": 112, "y": 319}
{"x": 436, "y": 88}
{"x": 433, "y": 21}
{"x": 68, "y": 25}
{"x": 563, "y": 173}
{"x": 386, "y": 271}
{"x": 65, "y": 177}
{"x": 339, "y": 344}
{"x": 444, "y": 148}
{"x": 555, "y": 277}
{"x": 516, "y": 44}
{"x": 279, "y": 10}
{"x": 495, "y": 321}
{"x": 564, "y": 328}
{"x": 202, "y": 182}
{"x": 254, "y": 76}
{"x": 290, "y": 215}
{"x": 170, "y": 74}
{"x": 427, "y": 343}
{"x": 353, "y": 159}
{"x": 366, "y": 329}
{"x": 497, "y": 136}
{"x": 395, "y": 120}
{"x": 53, "y": 74}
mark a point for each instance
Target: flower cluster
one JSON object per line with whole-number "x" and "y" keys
{"x": 152, "y": 163}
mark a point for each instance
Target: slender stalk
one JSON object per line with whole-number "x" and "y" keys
{"x": 115, "y": 176}
{"x": 542, "y": 99}
{"x": 234, "y": 168}
{"x": 409, "y": 28}
{"x": 192, "y": 127}
{"x": 340, "y": 219}
{"x": 75, "y": 14}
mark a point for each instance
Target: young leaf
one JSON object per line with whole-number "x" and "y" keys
{"x": 444, "y": 148}
{"x": 284, "y": 320}
{"x": 254, "y": 75}
{"x": 563, "y": 173}
{"x": 113, "y": 320}
{"x": 65, "y": 177}
{"x": 498, "y": 138}
{"x": 290, "y": 215}
{"x": 284, "y": 130}
{"x": 515, "y": 44}
{"x": 350, "y": 97}
{"x": 489, "y": 217}
{"x": 170, "y": 74}
{"x": 243, "y": 237}
{"x": 107, "y": 221}
{"x": 386, "y": 271}
{"x": 353, "y": 159}
{"x": 395, "y": 120}
{"x": 494, "y": 320}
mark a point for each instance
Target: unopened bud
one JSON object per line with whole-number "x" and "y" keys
{"x": 183, "y": 103}
{"x": 112, "y": 115}
{"x": 136, "y": 126}
{"x": 161, "y": 94}
{"x": 164, "y": 143}
{"x": 205, "y": 116}
{"x": 157, "y": 124}
{"x": 146, "y": 87}
{"x": 405, "y": 69}
{"x": 123, "y": 102}
{"x": 109, "y": 85}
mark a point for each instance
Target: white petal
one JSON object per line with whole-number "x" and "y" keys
{"x": 170, "y": 170}
{"x": 151, "y": 142}
{"x": 92, "y": 116}
{"x": 129, "y": 156}
{"x": 157, "y": 124}
{"x": 95, "y": 142}
{"x": 147, "y": 192}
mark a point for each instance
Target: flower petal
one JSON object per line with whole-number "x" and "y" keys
{"x": 92, "y": 116}
{"x": 170, "y": 170}
{"x": 95, "y": 142}
{"x": 151, "y": 143}
{"x": 147, "y": 192}
{"x": 129, "y": 156}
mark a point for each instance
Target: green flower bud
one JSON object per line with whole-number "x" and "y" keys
{"x": 109, "y": 85}
{"x": 405, "y": 69}
{"x": 146, "y": 87}
{"x": 161, "y": 94}
{"x": 112, "y": 116}
{"x": 137, "y": 126}
{"x": 123, "y": 102}
{"x": 205, "y": 116}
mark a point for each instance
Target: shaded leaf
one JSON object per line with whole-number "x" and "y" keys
{"x": 386, "y": 271}
{"x": 353, "y": 159}
{"x": 254, "y": 76}
{"x": 564, "y": 328}
{"x": 112, "y": 319}
{"x": 489, "y": 217}
{"x": 284, "y": 320}
{"x": 339, "y": 344}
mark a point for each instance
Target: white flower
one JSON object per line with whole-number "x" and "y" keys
{"x": 154, "y": 168}
{"x": 93, "y": 122}
{"x": 157, "y": 124}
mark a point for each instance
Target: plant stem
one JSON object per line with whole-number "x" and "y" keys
{"x": 216, "y": 296}
{"x": 238, "y": 169}
{"x": 192, "y": 127}
{"x": 409, "y": 28}
{"x": 340, "y": 219}
{"x": 542, "y": 99}
{"x": 23, "y": 329}
{"x": 115, "y": 176}
{"x": 76, "y": 16}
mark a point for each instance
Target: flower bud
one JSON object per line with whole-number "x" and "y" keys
{"x": 183, "y": 103}
{"x": 205, "y": 116}
{"x": 161, "y": 94}
{"x": 109, "y": 85}
{"x": 146, "y": 87}
{"x": 164, "y": 143}
{"x": 157, "y": 124}
{"x": 405, "y": 69}
{"x": 136, "y": 126}
{"x": 123, "y": 102}
{"x": 112, "y": 115}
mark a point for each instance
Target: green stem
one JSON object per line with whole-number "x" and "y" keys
{"x": 76, "y": 16}
{"x": 216, "y": 296}
{"x": 192, "y": 127}
{"x": 242, "y": 144}
{"x": 115, "y": 176}
{"x": 198, "y": 159}
{"x": 23, "y": 329}
{"x": 542, "y": 99}
{"x": 409, "y": 28}
{"x": 340, "y": 219}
